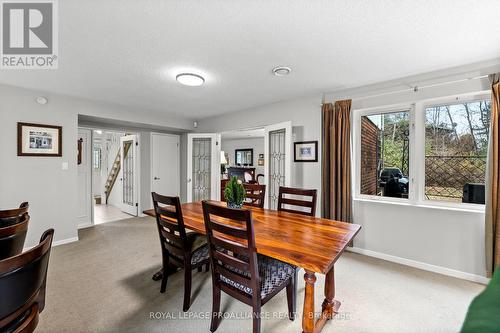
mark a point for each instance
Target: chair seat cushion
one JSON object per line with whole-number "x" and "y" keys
{"x": 197, "y": 256}
{"x": 273, "y": 274}
{"x": 195, "y": 239}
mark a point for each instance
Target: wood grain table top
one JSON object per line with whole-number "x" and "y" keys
{"x": 312, "y": 243}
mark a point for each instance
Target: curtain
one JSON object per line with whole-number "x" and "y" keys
{"x": 492, "y": 216}
{"x": 336, "y": 161}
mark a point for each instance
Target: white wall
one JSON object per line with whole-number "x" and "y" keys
{"x": 305, "y": 114}
{"x": 257, "y": 144}
{"x": 51, "y": 191}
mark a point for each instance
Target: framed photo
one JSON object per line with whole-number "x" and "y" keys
{"x": 39, "y": 140}
{"x": 260, "y": 162}
{"x": 305, "y": 151}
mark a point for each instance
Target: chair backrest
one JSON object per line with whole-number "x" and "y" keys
{"x": 170, "y": 223}
{"x": 22, "y": 283}
{"x": 13, "y": 216}
{"x": 310, "y": 204}
{"x": 255, "y": 195}
{"x": 12, "y": 237}
{"x": 232, "y": 249}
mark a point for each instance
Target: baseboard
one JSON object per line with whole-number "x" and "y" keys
{"x": 421, "y": 265}
{"x": 85, "y": 225}
{"x": 65, "y": 241}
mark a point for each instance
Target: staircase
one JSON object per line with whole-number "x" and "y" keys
{"x": 113, "y": 174}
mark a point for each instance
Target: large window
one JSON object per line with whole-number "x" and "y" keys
{"x": 425, "y": 153}
{"x": 385, "y": 154}
{"x": 456, "y": 145}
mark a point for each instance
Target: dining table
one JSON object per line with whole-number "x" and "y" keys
{"x": 311, "y": 243}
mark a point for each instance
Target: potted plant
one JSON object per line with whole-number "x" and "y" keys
{"x": 234, "y": 193}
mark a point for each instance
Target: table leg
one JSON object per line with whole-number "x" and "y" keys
{"x": 308, "y": 314}
{"x": 330, "y": 305}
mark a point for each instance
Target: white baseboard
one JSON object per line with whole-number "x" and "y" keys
{"x": 65, "y": 241}
{"x": 85, "y": 225}
{"x": 421, "y": 265}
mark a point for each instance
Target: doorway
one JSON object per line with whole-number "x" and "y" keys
{"x": 261, "y": 155}
{"x": 108, "y": 176}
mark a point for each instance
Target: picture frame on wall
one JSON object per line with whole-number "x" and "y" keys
{"x": 305, "y": 151}
{"x": 39, "y": 140}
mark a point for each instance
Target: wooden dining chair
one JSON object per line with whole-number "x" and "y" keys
{"x": 284, "y": 199}
{"x": 22, "y": 286}
{"x": 255, "y": 195}
{"x": 237, "y": 269}
{"x": 12, "y": 237}
{"x": 13, "y": 216}
{"x": 186, "y": 249}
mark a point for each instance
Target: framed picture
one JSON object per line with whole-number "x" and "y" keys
{"x": 39, "y": 140}
{"x": 260, "y": 162}
{"x": 305, "y": 151}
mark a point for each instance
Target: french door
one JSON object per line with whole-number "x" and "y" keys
{"x": 278, "y": 152}
{"x": 128, "y": 160}
{"x": 203, "y": 167}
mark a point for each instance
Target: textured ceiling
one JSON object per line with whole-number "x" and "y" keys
{"x": 128, "y": 51}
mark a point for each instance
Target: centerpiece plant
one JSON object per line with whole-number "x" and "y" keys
{"x": 234, "y": 193}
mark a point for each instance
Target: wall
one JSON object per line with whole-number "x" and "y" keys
{"x": 305, "y": 114}
{"x": 257, "y": 144}
{"x": 50, "y": 190}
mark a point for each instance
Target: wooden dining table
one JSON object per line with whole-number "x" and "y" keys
{"x": 312, "y": 243}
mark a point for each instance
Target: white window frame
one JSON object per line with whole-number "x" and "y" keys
{"x": 420, "y": 138}
{"x": 357, "y": 152}
{"x": 416, "y": 194}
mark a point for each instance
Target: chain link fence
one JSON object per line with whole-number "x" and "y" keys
{"x": 445, "y": 176}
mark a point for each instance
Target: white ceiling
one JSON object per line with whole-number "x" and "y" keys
{"x": 128, "y": 51}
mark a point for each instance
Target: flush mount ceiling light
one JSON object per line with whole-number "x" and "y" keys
{"x": 190, "y": 79}
{"x": 42, "y": 100}
{"x": 281, "y": 70}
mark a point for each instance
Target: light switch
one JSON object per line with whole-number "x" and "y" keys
{"x": 65, "y": 165}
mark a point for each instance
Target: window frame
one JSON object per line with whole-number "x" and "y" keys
{"x": 416, "y": 194}
{"x": 464, "y": 98}
{"x": 357, "y": 144}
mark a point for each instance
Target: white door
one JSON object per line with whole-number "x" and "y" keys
{"x": 203, "y": 167}
{"x": 278, "y": 153}
{"x": 165, "y": 168}
{"x": 128, "y": 162}
{"x": 85, "y": 179}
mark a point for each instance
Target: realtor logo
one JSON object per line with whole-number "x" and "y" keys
{"x": 29, "y": 34}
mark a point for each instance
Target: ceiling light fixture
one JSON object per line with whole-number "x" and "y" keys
{"x": 190, "y": 79}
{"x": 281, "y": 70}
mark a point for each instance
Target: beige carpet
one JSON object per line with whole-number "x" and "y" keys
{"x": 103, "y": 284}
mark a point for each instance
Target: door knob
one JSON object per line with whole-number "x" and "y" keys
{"x": 156, "y": 178}
{"x": 189, "y": 180}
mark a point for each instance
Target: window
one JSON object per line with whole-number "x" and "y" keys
{"x": 385, "y": 153}
{"x": 96, "y": 161}
{"x": 456, "y": 145}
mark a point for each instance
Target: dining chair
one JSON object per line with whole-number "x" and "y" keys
{"x": 22, "y": 286}
{"x": 284, "y": 199}
{"x": 13, "y": 216}
{"x": 186, "y": 249}
{"x": 12, "y": 237}
{"x": 255, "y": 195}
{"x": 237, "y": 269}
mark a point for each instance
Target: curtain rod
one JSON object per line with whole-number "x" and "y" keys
{"x": 415, "y": 88}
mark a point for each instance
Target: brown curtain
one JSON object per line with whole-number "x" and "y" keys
{"x": 336, "y": 161}
{"x": 492, "y": 227}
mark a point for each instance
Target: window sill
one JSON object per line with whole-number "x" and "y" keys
{"x": 437, "y": 205}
